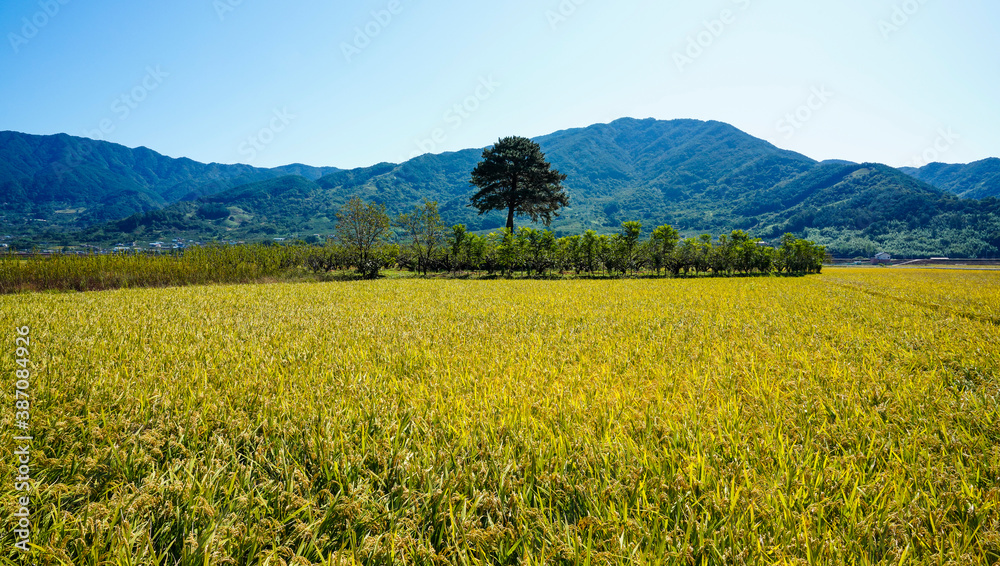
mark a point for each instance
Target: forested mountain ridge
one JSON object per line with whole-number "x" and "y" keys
{"x": 858, "y": 210}
{"x": 646, "y": 170}
{"x": 701, "y": 177}
{"x": 75, "y": 182}
{"x": 980, "y": 179}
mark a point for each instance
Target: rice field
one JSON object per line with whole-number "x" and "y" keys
{"x": 845, "y": 418}
{"x": 195, "y": 266}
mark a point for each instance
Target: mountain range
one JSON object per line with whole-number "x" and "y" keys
{"x": 45, "y": 177}
{"x": 698, "y": 176}
{"x": 975, "y": 180}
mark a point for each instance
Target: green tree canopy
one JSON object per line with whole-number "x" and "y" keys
{"x": 425, "y": 229}
{"x": 363, "y": 230}
{"x": 514, "y": 176}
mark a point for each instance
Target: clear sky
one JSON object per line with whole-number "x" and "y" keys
{"x": 350, "y": 84}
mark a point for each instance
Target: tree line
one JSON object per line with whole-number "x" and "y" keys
{"x": 514, "y": 177}
{"x": 366, "y": 240}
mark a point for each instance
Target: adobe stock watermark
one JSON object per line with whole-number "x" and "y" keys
{"x": 366, "y": 34}
{"x": 122, "y": 107}
{"x": 253, "y": 145}
{"x": 457, "y": 115}
{"x": 901, "y": 15}
{"x": 944, "y": 141}
{"x": 23, "y": 398}
{"x": 792, "y": 122}
{"x": 711, "y": 31}
{"x": 31, "y": 27}
{"x": 563, "y": 12}
{"x": 126, "y": 103}
{"x": 224, "y": 7}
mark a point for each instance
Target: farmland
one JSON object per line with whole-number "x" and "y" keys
{"x": 844, "y": 418}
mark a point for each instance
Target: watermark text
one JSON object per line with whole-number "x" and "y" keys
{"x": 31, "y": 27}
{"x": 364, "y": 35}
{"x": 699, "y": 42}
{"x": 253, "y": 145}
{"x": 457, "y": 115}
{"x": 792, "y": 122}
{"x": 563, "y": 12}
{"x": 901, "y": 15}
{"x": 22, "y": 440}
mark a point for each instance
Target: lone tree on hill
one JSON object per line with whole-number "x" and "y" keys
{"x": 515, "y": 177}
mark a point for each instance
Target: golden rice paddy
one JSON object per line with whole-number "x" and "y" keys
{"x": 845, "y": 418}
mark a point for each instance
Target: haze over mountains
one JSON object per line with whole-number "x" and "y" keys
{"x": 699, "y": 176}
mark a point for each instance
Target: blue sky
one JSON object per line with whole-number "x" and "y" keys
{"x": 350, "y": 84}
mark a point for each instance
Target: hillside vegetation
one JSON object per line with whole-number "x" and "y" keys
{"x": 76, "y": 182}
{"x": 697, "y": 176}
{"x": 974, "y": 180}
{"x": 855, "y": 210}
